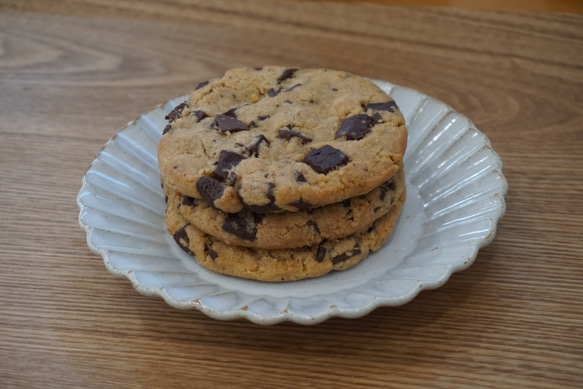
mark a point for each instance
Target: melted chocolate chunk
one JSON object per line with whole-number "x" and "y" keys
{"x": 325, "y": 159}
{"x": 287, "y": 73}
{"x": 287, "y": 134}
{"x": 347, "y": 255}
{"x": 301, "y": 204}
{"x": 355, "y": 127}
{"x": 390, "y": 106}
{"x": 314, "y": 225}
{"x": 175, "y": 113}
{"x": 227, "y": 159}
{"x": 181, "y": 238}
{"x": 230, "y": 124}
{"x": 321, "y": 254}
{"x": 213, "y": 254}
{"x": 243, "y": 225}
{"x": 375, "y": 119}
{"x": 201, "y": 85}
{"x": 232, "y": 179}
{"x": 292, "y": 88}
{"x": 189, "y": 201}
{"x": 253, "y": 150}
{"x": 265, "y": 208}
{"x": 199, "y": 115}
{"x": 231, "y": 113}
{"x": 272, "y": 92}
{"x": 210, "y": 190}
{"x": 385, "y": 187}
{"x": 166, "y": 129}
{"x": 262, "y": 118}
{"x": 300, "y": 177}
{"x": 346, "y": 204}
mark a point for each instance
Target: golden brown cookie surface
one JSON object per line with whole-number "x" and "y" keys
{"x": 291, "y": 229}
{"x": 284, "y": 264}
{"x": 276, "y": 139}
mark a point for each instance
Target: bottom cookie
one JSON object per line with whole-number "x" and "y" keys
{"x": 285, "y": 264}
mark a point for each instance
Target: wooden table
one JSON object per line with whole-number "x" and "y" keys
{"x": 73, "y": 72}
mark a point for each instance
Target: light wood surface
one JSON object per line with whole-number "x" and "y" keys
{"x": 73, "y": 72}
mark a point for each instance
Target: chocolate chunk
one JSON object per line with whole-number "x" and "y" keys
{"x": 231, "y": 113}
{"x": 390, "y": 106}
{"x": 213, "y": 254}
{"x": 166, "y": 129}
{"x": 272, "y": 92}
{"x": 347, "y": 255}
{"x": 301, "y": 204}
{"x": 300, "y": 177}
{"x": 335, "y": 90}
{"x": 355, "y": 127}
{"x": 175, "y": 113}
{"x": 262, "y": 209}
{"x": 292, "y": 88}
{"x": 287, "y": 73}
{"x": 253, "y": 150}
{"x": 261, "y": 118}
{"x": 314, "y": 225}
{"x": 265, "y": 208}
{"x": 232, "y": 179}
{"x": 227, "y": 123}
{"x": 181, "y": 238}
{"x": 376, "y": 209}
{"x": 243, "y": 225}
{"x": 227, "y": 159}
{"x": 287, "y": 134}
{"x": 346, "y": 204}
{"x": 210, "y": 190}
{"x": 325, "y": 159}
{"x": 375, "y": 119}
{"x": 260, "y": 68}
{"x": 199, "y": 115}
{"x": 288, "y": 102}
{"x": 201, "y": 85}
{"x": 166, "y": 199}
{"x": 387, "y": 186}
{"x": 189, "y": 201}
{"x": 321, "y": 254}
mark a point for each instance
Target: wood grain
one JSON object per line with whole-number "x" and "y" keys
{"x": 73, "y": 72}
{"x": 514, "y": 5}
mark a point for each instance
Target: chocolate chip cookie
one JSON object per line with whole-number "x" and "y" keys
{"x": 290, "y": 229}
{"x": 285, "y": 264}
{"x": 276, "y": 139}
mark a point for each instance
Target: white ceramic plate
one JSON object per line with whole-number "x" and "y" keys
{"x": 455, "y": 196}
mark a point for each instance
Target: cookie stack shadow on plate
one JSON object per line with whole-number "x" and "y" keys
{"x": 279, "y": 174}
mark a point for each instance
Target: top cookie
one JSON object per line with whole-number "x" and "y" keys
{"x": 272, "y": 138}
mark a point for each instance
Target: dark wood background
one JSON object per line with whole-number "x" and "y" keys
{"x": 73, "y": 72}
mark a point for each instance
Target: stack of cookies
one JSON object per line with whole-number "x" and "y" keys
{"x": 279, "y": 174}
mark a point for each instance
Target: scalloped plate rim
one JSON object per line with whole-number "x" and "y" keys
{"x": 285, "y": 315}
